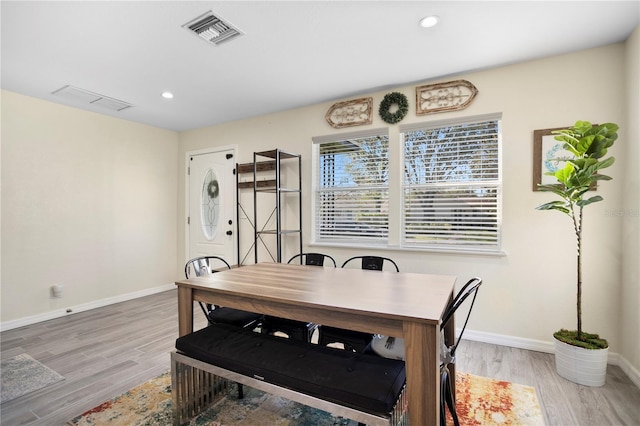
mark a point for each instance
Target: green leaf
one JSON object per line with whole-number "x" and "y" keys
{"x": 591, "y": 169}
{"x": 609, "y": 131}
{"x": 571, "y": 146}
{"x": 556, "y": 189}
{"x": 583, "y": 126}
{"x": 579, "y": 180}
{"x": 565, "y": 173}
{"x": 580, "y": 163}
{"x": 601, "y": 177}
{"x": 550, "y": 204}
{"x": 606, "y": 163}
{"x": 570, "y": 141}
{"x": 591, "y": 200}
{"x": 555, "y": 205}
{"x": 578, "y": 193}
{"x": 584, "y": 144}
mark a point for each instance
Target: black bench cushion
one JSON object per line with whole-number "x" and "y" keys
{"x": 365, "y": 382}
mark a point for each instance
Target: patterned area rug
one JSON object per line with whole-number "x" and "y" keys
{"x": 22, "y": 375}
{"x": 480, "y": 401}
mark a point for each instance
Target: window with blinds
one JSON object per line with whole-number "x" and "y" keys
{"x": 352, "y": 187}
{"x": 451, "y": 189}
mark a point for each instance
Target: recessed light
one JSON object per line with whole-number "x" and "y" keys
{"x": 429, "y": 21}
{"x": 167, "y": 95}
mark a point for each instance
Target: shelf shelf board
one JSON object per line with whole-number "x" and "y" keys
{"x": 273, "y": 231}
{"x": 269, "y": 183}
{"x": 275, "y": 190}
{"x": 274, "y": 154}
{"x": 261, "y": 166}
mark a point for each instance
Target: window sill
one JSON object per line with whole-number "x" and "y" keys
{"x": 373, "y": 246}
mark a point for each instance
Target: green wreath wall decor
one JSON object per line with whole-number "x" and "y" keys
{"x": 388, "y": 101}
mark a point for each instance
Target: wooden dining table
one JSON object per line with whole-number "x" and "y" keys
{"x": 400, "y": 304}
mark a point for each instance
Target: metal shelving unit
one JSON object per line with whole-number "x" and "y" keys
{"x": 279, "y": 192}
{"x": 270, "y": 184}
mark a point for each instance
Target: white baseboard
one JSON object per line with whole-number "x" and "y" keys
{"x": 632, "y": 372}
{"x": 547, "y": 347}
{"x": 511, "y": 341}
{"x": 58, "y": 313}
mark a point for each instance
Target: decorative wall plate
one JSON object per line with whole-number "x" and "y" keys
{"x": 350, "y": 113}
{"x": 441, "y": 97}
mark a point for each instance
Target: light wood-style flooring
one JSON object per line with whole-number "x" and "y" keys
{"x": 106, "y": 351}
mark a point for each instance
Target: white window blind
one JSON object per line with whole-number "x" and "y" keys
{"x": 451, "y": 188}
{"x": 352, "y": 187}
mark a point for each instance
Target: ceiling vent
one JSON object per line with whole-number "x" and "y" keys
{"x": 84, "y": 96}
{"x": 212, "y": 28}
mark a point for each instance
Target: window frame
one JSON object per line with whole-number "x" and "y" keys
{"x": 396, "y": 187}
{"x": 443, "y": 247}
{"x": 338, "y": 137}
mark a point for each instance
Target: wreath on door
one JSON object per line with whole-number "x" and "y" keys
{"x": 390, "y": 99}
{"x": 213, "y": 189}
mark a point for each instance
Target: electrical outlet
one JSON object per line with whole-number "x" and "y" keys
{"x": 56, "y": 291}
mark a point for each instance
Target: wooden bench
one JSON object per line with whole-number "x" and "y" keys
{"x": 365, "y": 388}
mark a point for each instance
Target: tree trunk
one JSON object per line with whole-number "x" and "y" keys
{"x": 578, "y": 226}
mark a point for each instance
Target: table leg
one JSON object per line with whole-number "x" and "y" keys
{"x": 449, "y": 340}
{"x": 185, "y": 310}
{"x": 422, "y": 360}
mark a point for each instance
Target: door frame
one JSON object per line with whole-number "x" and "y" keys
{"x": 203, "y": 151}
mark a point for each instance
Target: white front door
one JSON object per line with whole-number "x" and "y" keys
{"x": 212, "y": 205}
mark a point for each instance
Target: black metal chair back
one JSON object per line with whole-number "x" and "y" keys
{"x": 447, "y": 353}
{"x": 201, "y": 266}
{"x": 206, "y": 265}
{"x": 315, "y": 259}
{"x": 373, "y": 263}
{"x": 469, "y": 289}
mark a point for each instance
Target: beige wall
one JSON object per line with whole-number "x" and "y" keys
{"x": 529, "y": 292}
{"x": 630, "y": 248}
{"x": 88, "y": 202}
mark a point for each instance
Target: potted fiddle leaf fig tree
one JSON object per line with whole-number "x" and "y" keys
{"x": 580, "y": 356}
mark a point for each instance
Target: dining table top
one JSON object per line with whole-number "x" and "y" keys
{"x": 393, "y": 295}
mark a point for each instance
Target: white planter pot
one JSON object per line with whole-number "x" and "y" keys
{"x": 583, "y": 366}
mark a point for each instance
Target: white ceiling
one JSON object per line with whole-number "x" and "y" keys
{"x": 293, "y": 53}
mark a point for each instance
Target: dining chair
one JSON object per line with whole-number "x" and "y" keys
{"x": 448, "y": 353}
{"x": 316, "y": 259}
{"x": 299, "y": 330}
{"x": 382, "y": 348}
{"x": 372, "y": 263}
{"x": 354, "y": 340}
{"x": 202, "y": 266}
